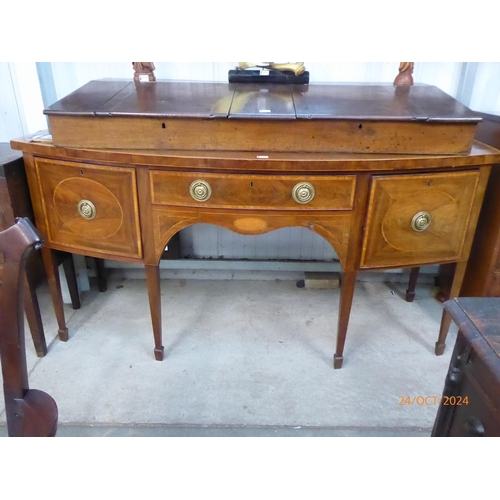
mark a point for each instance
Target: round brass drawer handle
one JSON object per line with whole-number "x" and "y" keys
{"x": 303, "y": 192}
{"x": 200, "y": 190}
{"x": 86, "y": 209}
{"x": 421, "y": 221}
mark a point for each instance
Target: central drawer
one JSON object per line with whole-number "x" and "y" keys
{"x": 284, "y": 192}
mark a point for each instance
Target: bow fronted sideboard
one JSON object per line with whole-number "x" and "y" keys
{"x": 389, "y": 176}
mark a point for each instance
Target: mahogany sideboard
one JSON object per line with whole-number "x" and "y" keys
{"x": 470, "y": 404}
{"x": 389, "y": 176}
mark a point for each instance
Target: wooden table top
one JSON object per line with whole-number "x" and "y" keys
{"x": 377, "y": 102}
{"x": 478, "y": 318}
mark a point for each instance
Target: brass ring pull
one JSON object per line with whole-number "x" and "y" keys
{"x": 200, "y": 190}
{"x": 421, "y": 221}
{"x": 303, "y": 192}
{"x": 86, "y": 209}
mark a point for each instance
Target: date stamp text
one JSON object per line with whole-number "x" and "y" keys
{"x": 433, "y": 400}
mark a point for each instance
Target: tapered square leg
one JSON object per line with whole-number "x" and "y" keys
{"x": 346, "y": 295}
{"x": 446, "y": 318}
{"x": 154, "y": 293}
{"x": 410, "y": 293}
{"x": 50, "y": 265}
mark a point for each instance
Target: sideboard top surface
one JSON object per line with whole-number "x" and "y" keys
{"x": 210, "y": 116}
{"x": 263, "y": 101}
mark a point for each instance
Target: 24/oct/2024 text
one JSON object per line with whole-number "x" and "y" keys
{"x": 433, "y": 400}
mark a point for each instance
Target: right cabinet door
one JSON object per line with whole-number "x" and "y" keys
{"x": 417, "y": 219}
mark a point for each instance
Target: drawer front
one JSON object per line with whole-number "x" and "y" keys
{"x": 417, "y": 219}
{"x": 90, "y": 206}
{"x": 285, "y": 192}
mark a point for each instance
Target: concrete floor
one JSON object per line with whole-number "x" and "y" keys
{"x": 242, "y": 358}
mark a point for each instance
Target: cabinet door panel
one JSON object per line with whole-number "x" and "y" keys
{"x": 90, "y": 206}
{"x": 441, "y": 203}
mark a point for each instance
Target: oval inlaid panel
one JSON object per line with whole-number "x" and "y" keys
{"x": 250, "y": 224}
{"x": 109, "y": 213}
{"x": 396, "y": 226}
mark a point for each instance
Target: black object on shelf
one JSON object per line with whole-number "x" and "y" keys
{"x": 270, "y": 76}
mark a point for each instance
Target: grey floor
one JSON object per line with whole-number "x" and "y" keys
{"x": 242, "y": 358}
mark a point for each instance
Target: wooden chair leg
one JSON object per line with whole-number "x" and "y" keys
{"x": 32, "y": 310}
{"x": 29, "y": 412}
{"x": 410, "y": 293}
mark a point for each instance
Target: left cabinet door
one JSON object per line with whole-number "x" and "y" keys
{"x": 92, "y": 208}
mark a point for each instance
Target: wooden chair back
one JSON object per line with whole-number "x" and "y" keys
{"x": 29, "y": 412}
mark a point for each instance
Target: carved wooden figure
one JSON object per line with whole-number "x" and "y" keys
{"x": 144, "y": 69}
{"x": 405, "y": 74}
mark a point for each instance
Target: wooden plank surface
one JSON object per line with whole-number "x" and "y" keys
{"x": 269, "y": 101}
{"x": 172, "y": 99}
{"x": 88, "y": 99}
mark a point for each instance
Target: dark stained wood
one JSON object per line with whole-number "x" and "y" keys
{"x": 426, "y": 102}
{"x": 15, "y": 202}
{"x": 481, "y": 278}
{"x": 446, "y": 319}
{"x": 252, "y": 100}
{"x": 34, "y": 317}
{"x": 470, "y": 405}
{"x": 90, "y": 98}
{"x": 102, "y": 283}
{"x": 349, "y": 101}
{"x": 317, "y": 118}
{"x": 363, "y": 204}
{"x": 70, "y": 273}
{"x": 410, "y": 292}
{"x": 29, "y": 412}
{"x": 170, "y": 100}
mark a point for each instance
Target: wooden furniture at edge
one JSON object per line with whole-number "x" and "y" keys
{"x": 15, "y": 202}
{"x": 29, "y": 412}
{"x": 389, "y": 176}
{"x": 482, "y": 277}
{"x": 470, "y": 404}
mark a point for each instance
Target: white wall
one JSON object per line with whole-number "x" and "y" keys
{"x": 486, "y": 90}
{"x": 11, "y": 122}
{"x": 21, "y": 105}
